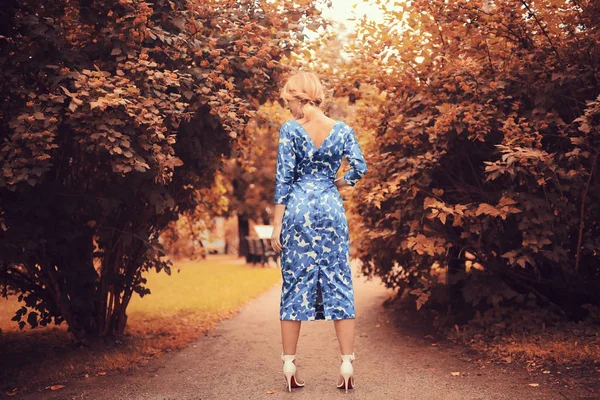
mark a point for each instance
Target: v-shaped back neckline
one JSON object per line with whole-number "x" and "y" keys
{"x": 311, "y": 139}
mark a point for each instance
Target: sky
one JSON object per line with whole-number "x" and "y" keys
{"x": 342, "y": 11}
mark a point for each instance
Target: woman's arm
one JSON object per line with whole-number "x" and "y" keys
{"x": 284, "y": 178}
{"x": 354, "y": 155}
{"x": 278, "y": 218}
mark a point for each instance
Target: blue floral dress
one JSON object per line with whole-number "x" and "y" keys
{"x": 315, "y": 264}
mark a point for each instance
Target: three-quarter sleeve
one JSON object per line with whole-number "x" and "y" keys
{"x": 352, "y": 152}
{"x": 286, "y": 165}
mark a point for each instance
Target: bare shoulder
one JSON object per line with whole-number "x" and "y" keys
{"x": 327, "y": 121}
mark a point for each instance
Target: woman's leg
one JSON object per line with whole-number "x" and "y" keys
{"x": 344, "y": 328}
{"x": 290, "y": 331}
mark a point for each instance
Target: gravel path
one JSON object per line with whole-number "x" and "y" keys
{"x": 240, "y": 360}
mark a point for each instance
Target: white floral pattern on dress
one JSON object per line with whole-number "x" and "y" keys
{"x": 315, "y": 263}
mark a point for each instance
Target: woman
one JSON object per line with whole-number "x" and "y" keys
{"x": 310, "y": 227}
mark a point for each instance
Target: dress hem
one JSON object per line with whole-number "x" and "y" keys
{"x": 313, "y": 319}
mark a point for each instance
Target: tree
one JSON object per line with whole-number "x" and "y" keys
{"x": 251, "y": 174}
{"x": 182, "y": 238}
{"x": 115, "y": 115}
{"x": 485, "y": 159}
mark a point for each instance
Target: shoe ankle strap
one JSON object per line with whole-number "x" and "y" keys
{"x": 288, "y": 357}
{"x": 347, "y": 357}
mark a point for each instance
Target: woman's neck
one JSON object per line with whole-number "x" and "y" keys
{"x": 314, "y": 115}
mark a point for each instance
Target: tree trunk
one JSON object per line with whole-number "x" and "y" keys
{"x": 74, "y": 281}
{"x": 243, "y": 231}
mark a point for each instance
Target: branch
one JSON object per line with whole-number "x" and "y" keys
{"x": 543, "y": 31}
{"x": 582, "y": 212}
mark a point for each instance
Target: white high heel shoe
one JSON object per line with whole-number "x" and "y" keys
{"x": 289, "y": 370}
{"x": 347, "y": 372}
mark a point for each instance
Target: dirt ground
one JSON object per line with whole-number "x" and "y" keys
{"x": 239, "y": 359}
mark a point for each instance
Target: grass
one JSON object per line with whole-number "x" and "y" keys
{"x": 180, "y": 309}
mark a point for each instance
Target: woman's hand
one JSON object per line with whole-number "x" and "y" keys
{"x": 340, "y": 183}
{"x": 275, "y": 241}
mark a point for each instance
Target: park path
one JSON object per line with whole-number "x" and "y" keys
{"x": 239, "y": 359}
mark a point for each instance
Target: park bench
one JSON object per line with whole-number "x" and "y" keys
{"x": 260, "y": 250}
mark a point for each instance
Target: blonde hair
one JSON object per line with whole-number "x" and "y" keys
{"x": 306, "y": 88}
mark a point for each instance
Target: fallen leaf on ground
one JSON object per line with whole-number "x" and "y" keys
{"x": 102, "y": 373}
{"x": 56, "y": 387}
{"x": 534, "y": 384}
{"x": 11, "y": 393}
{"x": 270, "y": 391}
{"x": 455, "y": 373}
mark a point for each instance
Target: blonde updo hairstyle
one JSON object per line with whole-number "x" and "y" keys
{"x": 307, "y": 89}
